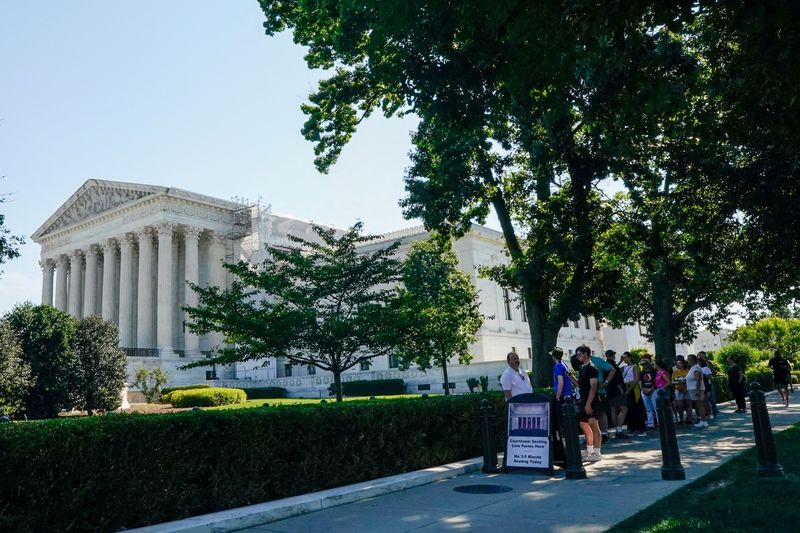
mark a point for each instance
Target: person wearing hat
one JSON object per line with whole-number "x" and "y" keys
{"x": 562, "y": 378}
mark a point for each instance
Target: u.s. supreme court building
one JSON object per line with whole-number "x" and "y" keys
{"x": 126, "y": 251}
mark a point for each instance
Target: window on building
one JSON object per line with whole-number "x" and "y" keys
{"x": 312, "y": 370}
{"x": 507, "y": 304}
{"x": 424, "y": 387}
{"x": 394, "y": 362}
{"x": 287, "y": 371}
{"x": 530, "y": 354}
{"x": 596, "y": 324}
{"x": 364, "y": 366}
{"x": 576, "y": 324}
{"x": 586, "y": 322}
{"x": 513, "y": 349}
{"x": 642, "y": 331}
{"x": 524, "y": 311}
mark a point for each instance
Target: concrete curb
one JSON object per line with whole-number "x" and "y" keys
{"x": 263, "y": 513}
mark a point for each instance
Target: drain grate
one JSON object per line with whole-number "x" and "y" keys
{"x": 482, "y": 489}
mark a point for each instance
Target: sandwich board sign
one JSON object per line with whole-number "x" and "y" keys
{"x": 529, "y": 443}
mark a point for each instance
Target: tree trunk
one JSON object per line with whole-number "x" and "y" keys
{"x": 444, "y": 375}
{"x": 663, "y": 326}
{"x": 543, "y": 340}
{"x": 337, "y": 383}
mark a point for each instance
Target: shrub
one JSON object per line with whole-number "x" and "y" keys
{"x": 51, "y": 482}
{"x": 102, "y": 365}
{"x": 484, "y": 383}
{"x": 472, "y": 383}
{"x": 150, "y": 382}
{"x": 167, "y": 390}
{"x": 721, "y": 389}
{"x": 15, "y": 373}
{"x": 211, "y": 397}
{"x": 762, "y": 374}
{"x": 260, "y": 393}
{"x": 46, "y": 335}
{"x": 374, "y": 387}
{"x": 742, "y": 354}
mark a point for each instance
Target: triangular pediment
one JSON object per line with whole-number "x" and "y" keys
{"x": 94, "y": 198}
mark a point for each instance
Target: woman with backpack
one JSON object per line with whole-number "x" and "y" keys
{"x": 636, "y": 418}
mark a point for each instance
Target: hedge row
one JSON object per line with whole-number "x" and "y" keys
{"x": 167, "y": 390}
{"x": 261, "y": 393}
{"x": 212, "y": 397}
{"x": 372, "y": 387}
{"x": 73, "y": 473}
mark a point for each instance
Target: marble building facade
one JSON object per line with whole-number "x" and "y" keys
{"x": 126, "y": 251}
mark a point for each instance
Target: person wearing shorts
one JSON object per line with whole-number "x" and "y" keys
{"x": 589, "y": 405}
{"x": 617, "y": 399}
{"x": 682, "y": 403}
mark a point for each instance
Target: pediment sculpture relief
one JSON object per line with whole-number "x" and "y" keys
{"x": 93, "y": 202}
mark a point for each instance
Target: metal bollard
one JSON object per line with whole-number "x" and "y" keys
{"x": 762, "y": 429}
{"x": 671, "y": 468}
{"x": 572, "y": 449}
{"x": 489, "y": 453}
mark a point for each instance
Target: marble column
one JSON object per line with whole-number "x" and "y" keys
{"x": 75, "y": 278}
{"x": 126, "y": 270}
{"x": 144, "y": 299}
{"x": 109, "y": 263}
{"x": 61, "y": 282}
{"x": 216, "y": 276}
{"x": 90, "y": 281}
{"x": 48, "y": 267}
{"x": 191, "y": 236}
{"x": 166, "y": 289}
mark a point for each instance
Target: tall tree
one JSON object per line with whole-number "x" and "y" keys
{"x": 15, "y": 373}
{"x": 440, "y": 308}
{"x": 517, "y": 114}
{"x": 9, "y": 244}
{"x": 772, "y": 334}
{"x": 101, "y": 365}
{"x": 327, "y": 304}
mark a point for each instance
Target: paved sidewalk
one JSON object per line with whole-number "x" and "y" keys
{"x": 627, "y": 480}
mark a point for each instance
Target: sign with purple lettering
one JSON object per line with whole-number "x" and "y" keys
{"x": 528, "y": 444}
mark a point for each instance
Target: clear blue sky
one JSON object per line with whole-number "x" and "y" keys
{"x": 190, "y": 94}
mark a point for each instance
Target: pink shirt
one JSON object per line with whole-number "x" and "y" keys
{"x": 661, "y": 379}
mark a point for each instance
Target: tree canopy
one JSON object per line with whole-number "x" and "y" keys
{"x": 772, "y": 334}
{"x": 327, "y": 303}
{"x": 440, "y": 308}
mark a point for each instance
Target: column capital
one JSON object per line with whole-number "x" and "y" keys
{"x": 76, "y": 255}
{"x": 192, "y": 232}
{"x": 165, "y": 229}
{"x": 109, "y": 245}
{"x": 47, "y": 263}
{"x": 216, "y": 237}
{"x": 126, "y": 240}
{"x": 62, "y": 260}
{"x": 91, "y": 250}
{"x": 144, "y": 234}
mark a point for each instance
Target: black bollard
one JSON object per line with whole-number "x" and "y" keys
{"x": 762, "y": 428}
{"x": 489, "y": 453}
{"x": 572, "y": 449}
{"x": 671, "y": 468}
{"x": 4, "y": 419}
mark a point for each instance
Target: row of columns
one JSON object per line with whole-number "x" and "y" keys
{"x": 76, "y": 289}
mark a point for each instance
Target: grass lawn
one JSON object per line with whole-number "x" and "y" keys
{"x": 732, "y": 497}
{"x": 296, "y": 401}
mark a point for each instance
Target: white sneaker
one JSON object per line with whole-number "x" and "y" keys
{"x": 584, "y": 454}
{"x": 701, "y": 425}
{"x": 593, "y": 458}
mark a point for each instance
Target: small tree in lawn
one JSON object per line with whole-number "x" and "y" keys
{"x": 101, "y": 365}
{"x": 440, "y": 308}
{"x": 327, "y": 304}
{"x": 149, "y": 382}
{"x": 15, "y": 373}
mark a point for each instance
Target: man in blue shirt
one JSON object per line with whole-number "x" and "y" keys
{"x": 562, "y": 379}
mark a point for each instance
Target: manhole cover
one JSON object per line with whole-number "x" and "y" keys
{"x": 482, "y": 489}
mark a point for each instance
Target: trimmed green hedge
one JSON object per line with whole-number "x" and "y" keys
{"x": 167, "y": 390}
{"x": 211, "y": 397}
{"x": 372, "y": 387}
{"x": 261, "y": 393}
{"x": 73, "y": 473}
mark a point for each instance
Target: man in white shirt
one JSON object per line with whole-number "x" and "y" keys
{"x": 515, "y": 381}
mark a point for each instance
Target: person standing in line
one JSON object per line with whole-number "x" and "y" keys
{"x": 562, "y": 378}
{"x": 663, "y": 380}
{"x": 589, "y": 405}
{"x": 781, "y": 375}
{"x": 696, "y": 389}
{"x": 736, "y": 384}
{"x": 514, "y": 381}
{"x": 605, "y": 375}
{"x": 648, "y": 381}
{"x": 709, "y": 371}
{"x": 682, "y": 403}
{"x": 618, "y": 400}
{"x": 636, "y": 417}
